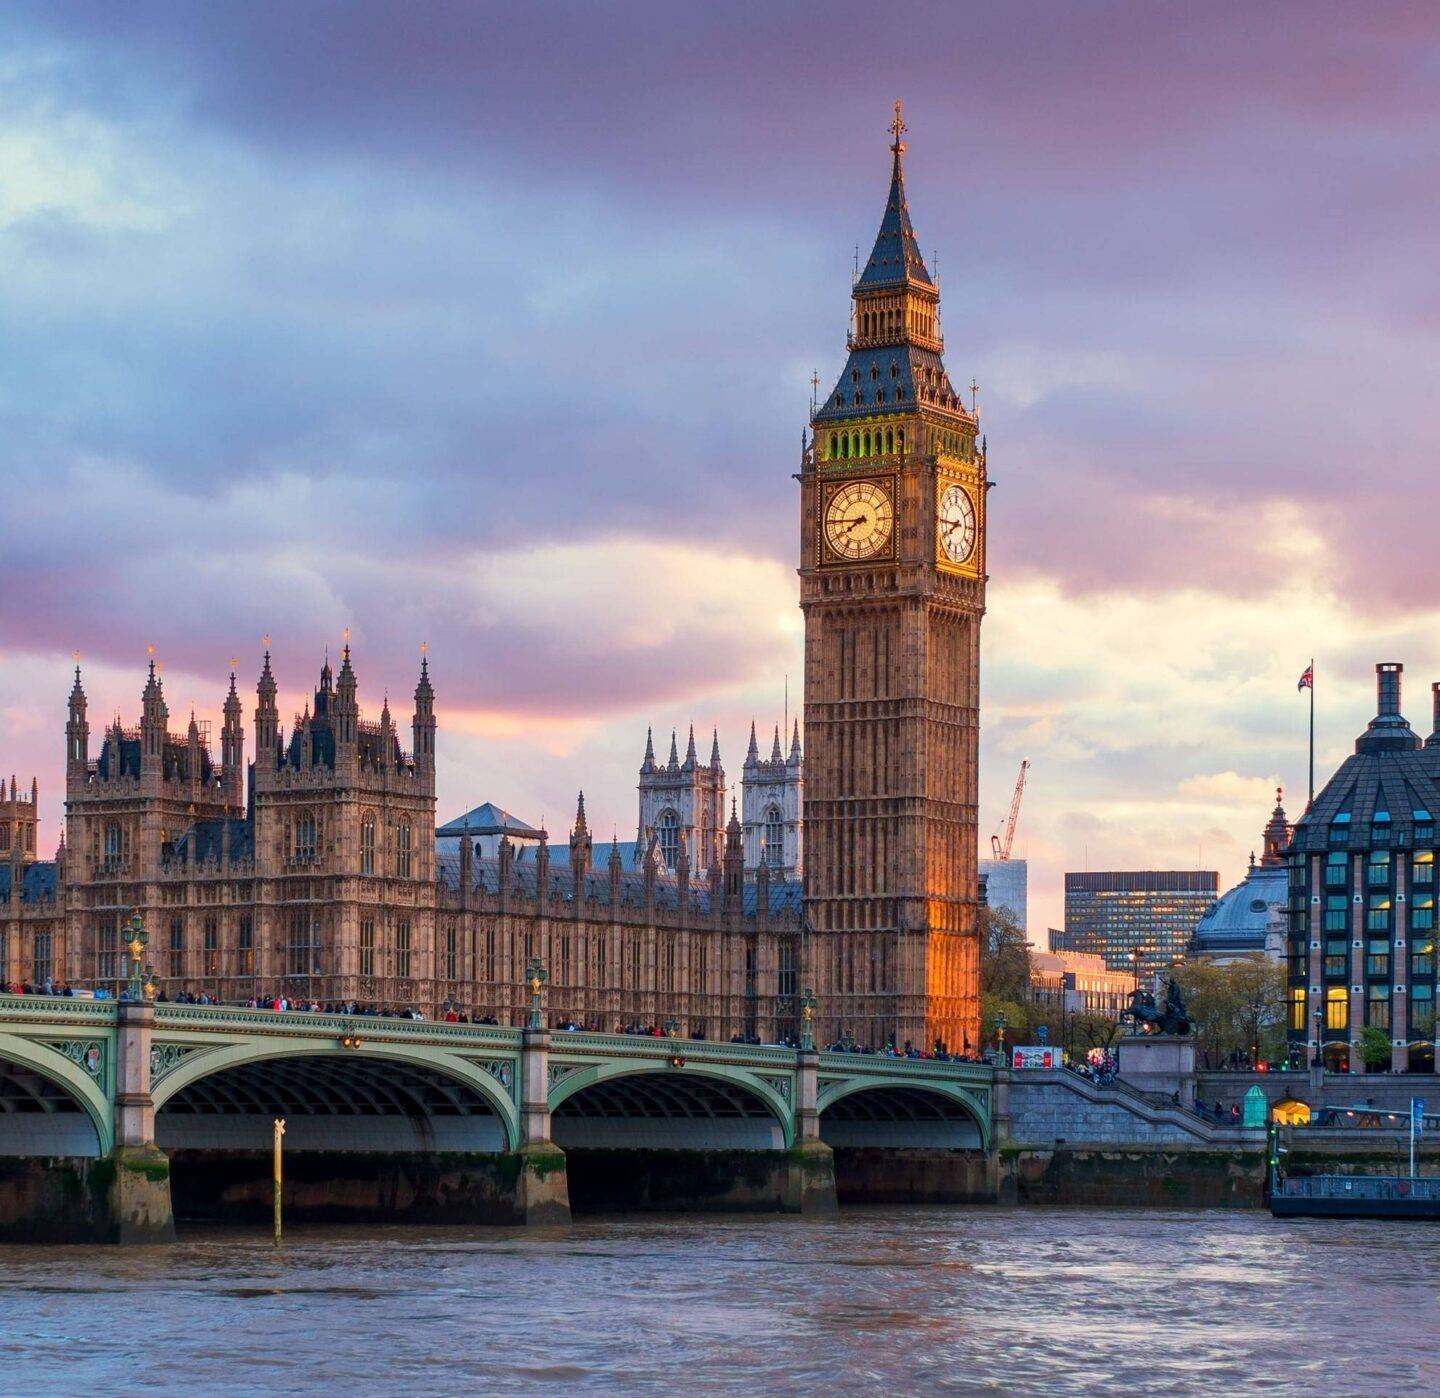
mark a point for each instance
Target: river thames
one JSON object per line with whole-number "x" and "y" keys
{"x": 1029, "y": 1300}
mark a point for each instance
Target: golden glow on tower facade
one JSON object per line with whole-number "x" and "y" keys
{"x": 892, "y": 514}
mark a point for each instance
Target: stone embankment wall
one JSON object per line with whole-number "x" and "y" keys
{"x": 1063, "y": 1140}
{"x": 1390, "y": 1092}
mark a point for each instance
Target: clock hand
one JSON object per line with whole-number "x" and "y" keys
{"x": 854, "y": 524}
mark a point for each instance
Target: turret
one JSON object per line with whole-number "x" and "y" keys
{"x": 267, "y": 717}
{"x": 77, "y": 733}
{"x": 1277, "y": 833}
{"x": 347, "y": 705}
{"x": 387, "y": 735}
{"x": 616, "y": 868}
{"x": 154, "y": 718}
{"x": 580, "y": 848}
{"x": 752, "y": 753}
{"x": 734, "y": 860}
{"x": 232, "y": 750}
{"x": 192, "y": 757}
{"x": 682, "y": 878}
{"x": 423, "y": 725}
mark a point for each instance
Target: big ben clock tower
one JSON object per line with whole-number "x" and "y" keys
{"x": 892, "y": 537}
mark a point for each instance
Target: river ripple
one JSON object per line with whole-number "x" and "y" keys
{"x": 1034, "y": 1300}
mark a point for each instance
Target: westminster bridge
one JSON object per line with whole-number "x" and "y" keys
{"x": 114, "y": 1117}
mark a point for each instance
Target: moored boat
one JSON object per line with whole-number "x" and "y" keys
{"x": 1355, "y": 1196}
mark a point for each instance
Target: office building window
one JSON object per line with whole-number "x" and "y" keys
{"x": 1297, "y": 1008}
{"x": 1337, "y": 1007}
{"x": 1377, "y": 1010}
{"x": 1377, "y": 958}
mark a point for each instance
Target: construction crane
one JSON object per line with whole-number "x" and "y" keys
{"x": 1001, "y": 848}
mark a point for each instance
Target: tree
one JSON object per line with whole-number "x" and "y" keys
{"x": 1374, "y": 1047}
{"x": 1004, "y": 956}
{"x": 1237, "y": 1008}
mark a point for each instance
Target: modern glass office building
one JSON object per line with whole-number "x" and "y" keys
{"x": 1138, "y": 921}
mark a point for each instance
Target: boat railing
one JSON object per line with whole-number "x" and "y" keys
{"x": 1360, "y": 1187}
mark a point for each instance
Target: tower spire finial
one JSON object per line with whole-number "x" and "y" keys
{"x": 898, "y": 128}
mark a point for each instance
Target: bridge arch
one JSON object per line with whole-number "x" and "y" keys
{"x": 388, "y": 1096}
{"x": 697, "y": 1107}
{"x": 897, "y": 1112}
{"x": 26, "y": 1067}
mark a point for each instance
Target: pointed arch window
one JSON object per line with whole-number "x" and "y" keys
{"x": 303, "y": 849}
{"x": 367, "y": 844}
{"x": 774, "y": 837}
{"x": 402, "y": 850}
{"x": 669, "y": 832}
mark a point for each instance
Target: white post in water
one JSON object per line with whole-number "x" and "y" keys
{"x": 279, "y": 1133}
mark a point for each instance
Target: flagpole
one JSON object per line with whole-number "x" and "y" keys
{"x": 1311, "y": 801}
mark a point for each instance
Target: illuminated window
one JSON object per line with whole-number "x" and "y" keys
{"x": 1297, "y": 1007}
{"x": 1422, "y": 956}
{"x": 1337, "y": 1008}
{"x": 1422, "y": 867}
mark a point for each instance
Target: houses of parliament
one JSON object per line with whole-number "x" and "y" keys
{"x": 315, "y": 868}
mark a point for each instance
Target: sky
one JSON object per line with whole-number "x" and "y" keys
{"x": 491, "y": 327}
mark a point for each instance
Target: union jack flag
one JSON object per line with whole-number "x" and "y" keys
{"x": 1307, "y": 680}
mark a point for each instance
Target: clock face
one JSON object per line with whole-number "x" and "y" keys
{"x": 955, "y": 523}
{"x": 859, "y": 520}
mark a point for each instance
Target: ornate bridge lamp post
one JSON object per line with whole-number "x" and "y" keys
{"x": 807, "y": 1019}
{"x": 142, "y": 985}
{"x": 537, "y": 975}
{"x": 1000, "y": 1039}
{"x": 672, "y": 1028}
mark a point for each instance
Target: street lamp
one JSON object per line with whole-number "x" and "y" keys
{"x": 1000, "y": 1038}
{"x": 807, "y": 1018}
{"x": 672, "y": 1028}
{"x": 1319, "y": 1042}
{"x": 135, "y": 941}
{"x": 537, "y": 975}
